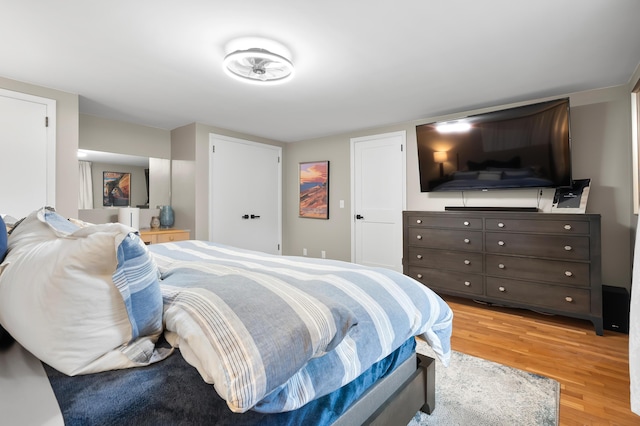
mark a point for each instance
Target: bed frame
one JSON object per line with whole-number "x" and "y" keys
{"x": 395, "y": 399}
{"x": 392, "y": 400}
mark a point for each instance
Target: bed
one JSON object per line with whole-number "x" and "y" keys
{"x": 195, "y": 332}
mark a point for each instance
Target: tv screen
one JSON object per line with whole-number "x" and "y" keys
{"x": 523, "y": 147}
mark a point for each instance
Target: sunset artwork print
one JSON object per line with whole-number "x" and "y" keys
{"x": 314, "y": 190}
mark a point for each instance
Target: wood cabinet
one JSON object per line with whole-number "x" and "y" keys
{"x": 544, "y": 262}
{"x": 155, "y": 236}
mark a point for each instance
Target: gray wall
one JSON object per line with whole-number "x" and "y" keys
{"x": 332, "y": 235}
{"x": 102, "y": 134}
{"x": 601, "y": 134}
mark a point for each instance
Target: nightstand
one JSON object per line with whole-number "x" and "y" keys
{"x": 169, "y": 235}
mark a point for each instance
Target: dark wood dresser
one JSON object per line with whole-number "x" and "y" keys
{"x": 540, "y": 261}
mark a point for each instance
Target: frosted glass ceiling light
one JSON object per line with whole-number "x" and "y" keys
{"x": 259, "y": 66}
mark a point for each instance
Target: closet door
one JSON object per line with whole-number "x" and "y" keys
{"x": 245, "y": 184}
{"x": 27, "y": 153}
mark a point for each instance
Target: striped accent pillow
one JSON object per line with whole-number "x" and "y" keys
{"x": 136, "y": 277}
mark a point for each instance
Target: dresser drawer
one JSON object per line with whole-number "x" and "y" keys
{"x": 175, "y": 236}
{"x": 452, "y": 260}
{"x": 155, "y": 236}
{"x": 568, "y": 299}
{"x": 448, "y": 281}
{"x": 446, "y": 239}
{"x": 565, "y": 227}
{"x": 555, "y": 271}
{"x": 549, "y": 246}
{"x": 453, "y": 222}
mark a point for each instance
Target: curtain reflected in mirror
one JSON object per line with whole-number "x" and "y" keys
{"x": 85, "y": 196}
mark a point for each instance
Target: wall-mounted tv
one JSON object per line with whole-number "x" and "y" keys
{"x": 522, "y": 147}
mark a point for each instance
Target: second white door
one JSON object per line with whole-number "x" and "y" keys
{"x": 378, "y": 188}
{"x": 245, "y": 199}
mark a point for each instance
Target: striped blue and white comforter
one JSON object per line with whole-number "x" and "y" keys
{"x": 275, "y": 332}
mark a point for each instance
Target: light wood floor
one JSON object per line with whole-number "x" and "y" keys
{"x": 593, "y": 371}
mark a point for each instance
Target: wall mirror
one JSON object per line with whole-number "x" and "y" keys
{"x": 133, "y": 180}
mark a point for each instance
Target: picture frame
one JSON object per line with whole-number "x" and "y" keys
{"x": 116, "y": 189}
{"x": 314, "y": 189}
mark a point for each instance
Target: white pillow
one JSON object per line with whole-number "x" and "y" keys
{"x": 83, "y": 300}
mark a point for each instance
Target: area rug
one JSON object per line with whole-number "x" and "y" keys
{"x": 474, "y": 391}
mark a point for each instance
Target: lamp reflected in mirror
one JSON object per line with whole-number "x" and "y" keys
{"x": 440, "y": 157}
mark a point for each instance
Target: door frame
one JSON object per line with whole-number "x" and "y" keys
{"x": 50, "y": 129}
{"x": 402, "y": 134}
{"x": 212, "y": 137}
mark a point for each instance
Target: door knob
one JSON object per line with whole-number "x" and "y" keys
{"x": 255, "y": 216}
{"x": 359, "y": 216}
{"x": 245, "y": 216}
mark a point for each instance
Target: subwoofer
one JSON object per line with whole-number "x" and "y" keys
{"x": 615, "y": 308}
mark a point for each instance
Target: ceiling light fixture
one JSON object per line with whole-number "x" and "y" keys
{"x": 259, "y": 66}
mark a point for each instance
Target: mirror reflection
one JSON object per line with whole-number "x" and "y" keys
{"x": 116, "y": 180}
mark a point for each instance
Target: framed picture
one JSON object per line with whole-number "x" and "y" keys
{"x": 314, "y": 190}
{"x": 116, "y": 189}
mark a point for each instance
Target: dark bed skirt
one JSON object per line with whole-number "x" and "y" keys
{"x": 171, "y": 392}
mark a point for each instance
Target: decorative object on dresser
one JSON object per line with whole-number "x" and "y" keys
{"x": 544, "y": 262}
{"x": 155, "y": 236}
{"x": 166, "y": 216}
{"x": 129, "y": 216}
{"x": 155, "y": 222}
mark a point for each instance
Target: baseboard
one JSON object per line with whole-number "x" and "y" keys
{"x": 491, "y": 209}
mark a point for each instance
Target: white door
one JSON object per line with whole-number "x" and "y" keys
{"x": 245, "y": 184}
{"x": 27, "y": 162}
{"x": 378, "y": 192}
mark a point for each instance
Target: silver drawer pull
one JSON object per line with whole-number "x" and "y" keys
{"x": 419, "y": 221}
{"x": 419, "y": 237}
{"x": 569, "y": 299}
{"x": 501, "y": 265}
{"x": 500, "y": 225}
{"x": 465, "y": 223}
{"x": 467, "y": 241}
{"x": 502, "y": 289}
{"x": 568, "y": 248}
{"x": 567, "y": 227}
{"x": 500, "y": 243}
{"x": 467, "y": 284}
{"x": 568, "y": 273}
{"x": 419, "y": 276}
{"x": 419, "y": 256}
{"x": 467, "y": 262}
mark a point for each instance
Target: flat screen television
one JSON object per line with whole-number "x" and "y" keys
{"x": 522, "y": 147}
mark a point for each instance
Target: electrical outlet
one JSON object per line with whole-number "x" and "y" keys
{"x": 304, "y": 251}
{"x": 323, "y": 254}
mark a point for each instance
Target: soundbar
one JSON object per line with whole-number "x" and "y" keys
{"x": 490, "y": 209}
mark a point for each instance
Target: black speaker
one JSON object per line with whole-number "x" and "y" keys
{"x": 615, "y": 308}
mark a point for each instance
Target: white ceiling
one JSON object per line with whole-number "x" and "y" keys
{"x": 359, "y": 63}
